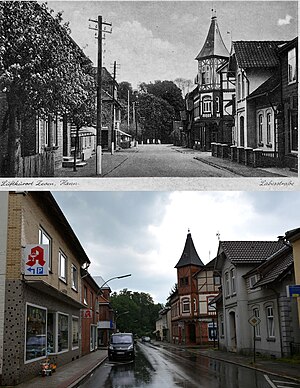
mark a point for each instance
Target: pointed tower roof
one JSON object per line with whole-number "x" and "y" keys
{"x": 214, "y": 45}
{"x": 189, "y": 255}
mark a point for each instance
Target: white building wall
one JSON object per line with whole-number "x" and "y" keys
{"x": 3, "y": 248}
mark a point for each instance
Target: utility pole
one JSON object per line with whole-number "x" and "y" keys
{"x": 128, "y": 111}
{"x": 136, "y": 125}
{"x": 113, "y": 110}
{"x": 100, "y": 23}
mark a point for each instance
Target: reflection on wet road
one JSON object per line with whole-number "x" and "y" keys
{"x": 155, "y": 367}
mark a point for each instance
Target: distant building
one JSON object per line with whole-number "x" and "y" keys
{"x": 106, "y": 318}
{"x": 90, "y": 313}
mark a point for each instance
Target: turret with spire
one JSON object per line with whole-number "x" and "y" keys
{"x": 189, "y": 255}
{"x": 211, "y": 120}
{"x": 188, "y": 264}
{"x": 213, "y": 54}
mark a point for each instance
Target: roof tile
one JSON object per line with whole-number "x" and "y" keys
{"x": 257, "y": 54}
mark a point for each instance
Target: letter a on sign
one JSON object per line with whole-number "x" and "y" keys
{"x": 36, "y": 260}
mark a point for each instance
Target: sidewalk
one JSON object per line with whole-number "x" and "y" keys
{"x": 241, "y": 169}
{"x": 274, "y": 367}
{"x": 69, "y": 375}
{"x": 109, "y": 163}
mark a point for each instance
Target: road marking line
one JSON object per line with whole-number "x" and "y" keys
{"x": 270, "y": 381}
{"x": 285, "y": 382}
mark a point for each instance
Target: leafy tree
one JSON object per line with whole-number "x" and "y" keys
{"x": 42, "y": 71}
{"x": 156, "y": 116}
{"x": 142, "y": 312}
{"x": 183, "y": 84}
{"x": 168, "y": 91}
{"x": 172, "y": 292}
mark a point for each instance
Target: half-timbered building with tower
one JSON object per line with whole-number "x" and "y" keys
{"x": 210, "y": 102}
{"x": 185, "y": 310}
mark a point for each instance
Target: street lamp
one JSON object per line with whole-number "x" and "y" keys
{"x": 115, "y": 277}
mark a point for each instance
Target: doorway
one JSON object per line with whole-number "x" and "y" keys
{"x": 192, "y": 333}
{"x": 232, "y": 332}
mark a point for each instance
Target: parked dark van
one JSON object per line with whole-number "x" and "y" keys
{"x": 121, "y": 346}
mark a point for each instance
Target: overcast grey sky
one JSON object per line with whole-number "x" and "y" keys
{"x": 143, "y": 233}
{"x": 157, "y": 40}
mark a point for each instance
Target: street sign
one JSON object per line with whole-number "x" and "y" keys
{"x": 293, "y": 291}
{"x": 36, "y": 260}
{"x": 254, "y": 321}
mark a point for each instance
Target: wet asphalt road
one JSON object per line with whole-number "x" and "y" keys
{"x": 155, "y": 367}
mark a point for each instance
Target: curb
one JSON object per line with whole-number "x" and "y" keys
{"x": 218, "y": 166}
{"x": 84, "y": 376}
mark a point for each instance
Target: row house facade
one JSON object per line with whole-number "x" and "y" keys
{"x": 40, "y": 314}
{"x": 50, "y": 306}
{"x": 192, "y": 316}
{"x": 265, "y": 130}
{"x": 254, "y": 276}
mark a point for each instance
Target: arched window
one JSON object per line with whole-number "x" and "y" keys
{"x": 185, "y": 305}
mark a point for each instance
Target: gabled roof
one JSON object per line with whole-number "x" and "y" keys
{"x": 256, "y": 54}
{"x": 214, "y": 45}
{"x": 248, "y": 252}
{"x": 189, "y": 255}
{"x": 275, "y": 267}
{"x": 268, "y": 87}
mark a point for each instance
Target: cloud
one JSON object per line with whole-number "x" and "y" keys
{"x": 143, "y": 233}
{"x": 186, "y": 19}
{"x": 285, "y": 21}
{"x": 142, "y": 56}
